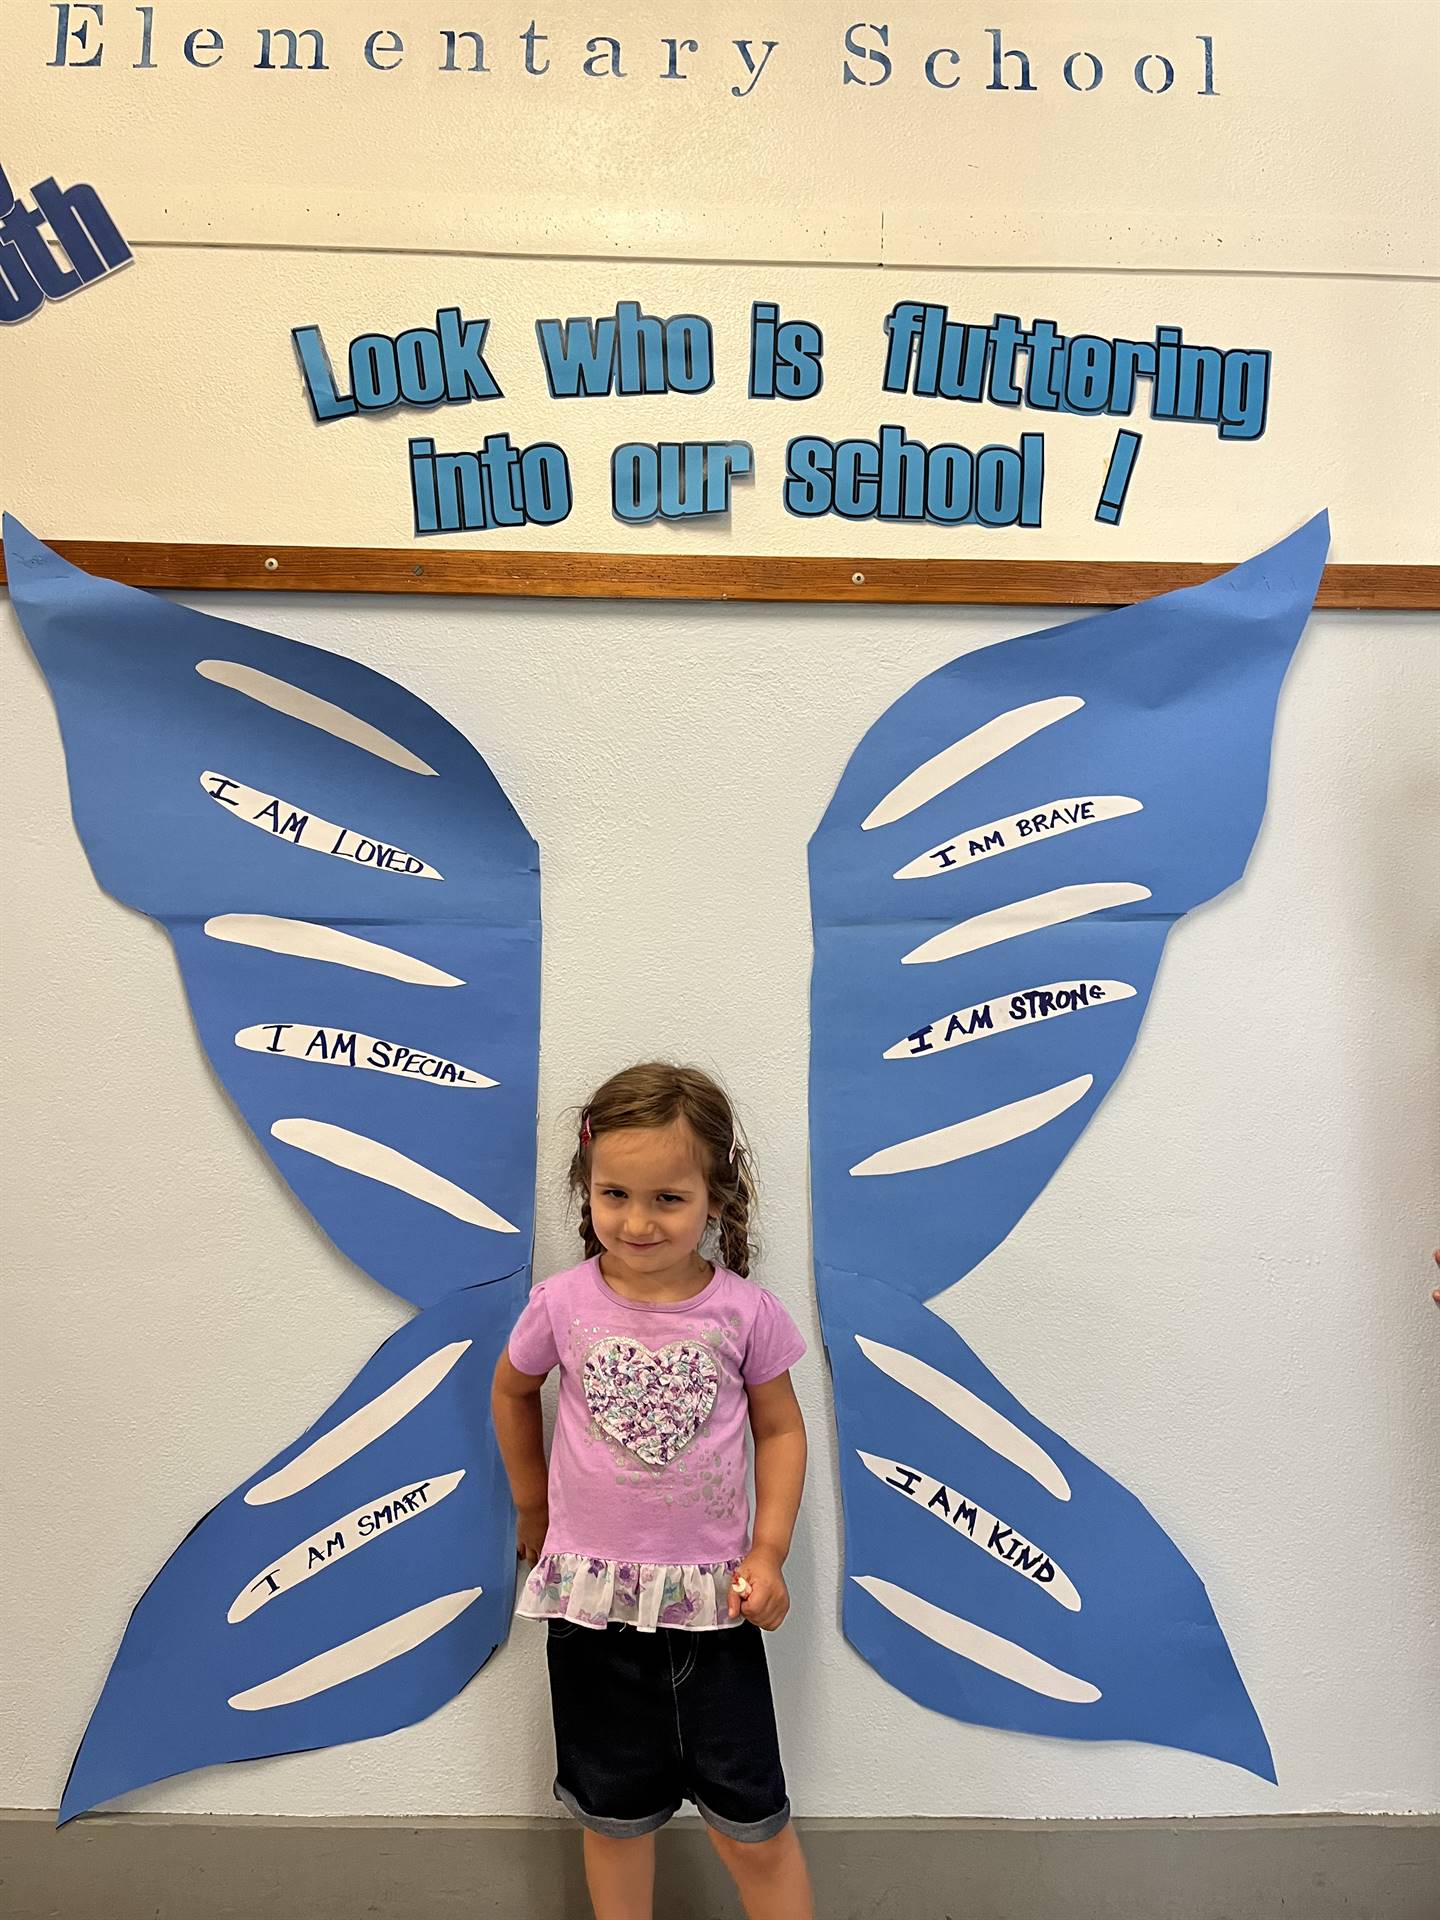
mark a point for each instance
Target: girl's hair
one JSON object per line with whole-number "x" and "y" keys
{"x": 656, "y": 1094}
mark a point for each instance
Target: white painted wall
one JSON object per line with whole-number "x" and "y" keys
{"x": 1223, "y": 1296}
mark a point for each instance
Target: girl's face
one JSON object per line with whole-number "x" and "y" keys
{"x": 649, "y": 1201}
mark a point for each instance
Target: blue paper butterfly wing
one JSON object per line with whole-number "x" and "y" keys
{"x": 1144, "y": 1643}
{"x": 1115, "y": 776}
{"x": 342, "y": 1602}
{"x": 153, "y": 696}
{"x": 379, "y": 1030}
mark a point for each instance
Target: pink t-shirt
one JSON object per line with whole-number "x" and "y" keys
{"x": 648, "y": 1462}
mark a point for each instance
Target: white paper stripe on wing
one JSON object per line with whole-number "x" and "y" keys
{"x": 982, "y": 1131}
{"x": 1028, "y": 829}
{"x": 1007, "y": 1012}
{"x": 298, "y": 827}
{"x": 373, "y": 1160}
{"x": 280, "y": 695}
{"x": 340, "y": 1539}
{"x": 310, "y": 940}
{"x": 1025, "y": 916}
{"x": 973, "y": 1523}
{"x": 986, "y": 1649}
{"x": 363, "y": 1654}
{"x": 986, "y": 1423}
{"x": 358, "y": 1429}
{"x": 341, "y": 1047}
{"x": 956, "y": 762}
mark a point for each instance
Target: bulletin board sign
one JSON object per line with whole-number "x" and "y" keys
{"x": 1078, "y": 306}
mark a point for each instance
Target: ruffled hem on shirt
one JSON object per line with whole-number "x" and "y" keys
{"x": 593, "y": 1593}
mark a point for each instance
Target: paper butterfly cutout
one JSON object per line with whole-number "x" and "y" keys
{"x": 991, "y": 887}
{"x": 355, "y": 907}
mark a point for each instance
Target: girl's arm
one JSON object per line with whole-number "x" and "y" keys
{"x": 779, "y": 1431}
{"x": 515, "y": 1408}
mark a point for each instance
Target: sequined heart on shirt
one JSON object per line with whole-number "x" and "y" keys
{"x": 653, "y": 1403}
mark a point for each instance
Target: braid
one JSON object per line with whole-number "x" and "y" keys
{"x": 735, "y": 1234}
{"x": 736, "y": 1203}
{"x": 592, "y": 1246}
{"x": 580, "y": 1186}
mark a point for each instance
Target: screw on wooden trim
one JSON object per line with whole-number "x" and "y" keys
{"x": 271, "y": 564}
{"x": 857, "y": 579}
{"x": 417, "y": 571}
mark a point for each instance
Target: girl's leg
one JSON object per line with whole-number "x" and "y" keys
{"x": 770, "y": 1874}
{"x": 621, "y": 1876}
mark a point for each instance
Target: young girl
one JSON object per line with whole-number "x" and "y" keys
{"x": 645, "y": 1564}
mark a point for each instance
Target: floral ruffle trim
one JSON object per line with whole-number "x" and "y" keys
{"x": 593, "y": 1593}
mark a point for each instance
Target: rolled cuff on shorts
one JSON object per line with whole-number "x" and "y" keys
{"x": 614, "y": 1829}
{"x": 751, "y": 1832}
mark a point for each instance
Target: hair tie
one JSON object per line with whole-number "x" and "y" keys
{"x": 734, "y": 1144}
{"x": 586, "y": 1136}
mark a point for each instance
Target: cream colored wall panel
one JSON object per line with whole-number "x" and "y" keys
{"x": 167, "y": 403}
{"x": 1293, "y": 135}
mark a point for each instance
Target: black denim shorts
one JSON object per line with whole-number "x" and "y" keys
{"x": 646, "y": 1720}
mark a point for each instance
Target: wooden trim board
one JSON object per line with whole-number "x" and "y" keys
{"x": 1066, "y": 583}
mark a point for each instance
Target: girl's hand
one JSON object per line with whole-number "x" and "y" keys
{"x": 531, "y": 1526}
{"x": 759, "y": 1591}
